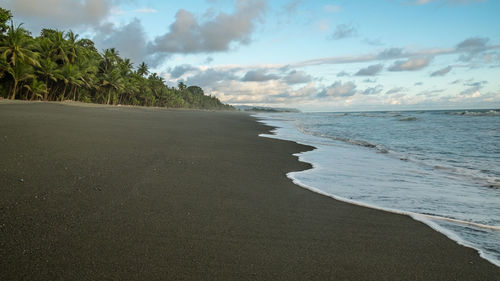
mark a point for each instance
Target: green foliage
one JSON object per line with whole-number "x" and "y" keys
{"x": 59, "y": 65}
{"x": 5, "y": 16}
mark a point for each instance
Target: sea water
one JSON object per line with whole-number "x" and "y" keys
{"x": 440, "y": 167}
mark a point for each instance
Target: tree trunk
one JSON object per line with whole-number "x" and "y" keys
{"x": 46, "y": 94}
{"x": 109, "y": 96}
{"x": 64, "y": 91}
{"x": 14, "y": 90}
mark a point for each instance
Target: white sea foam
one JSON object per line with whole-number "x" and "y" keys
{"x": 389, "y": 184}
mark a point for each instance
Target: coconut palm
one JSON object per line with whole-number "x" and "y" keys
{"x": 37, "y": 89}
{"x": 17, "y": 47}
{"x": 57, "y": 45}
{"x": 48, "y": 71}
{"x": 181, "y": 86}
{"x": 142, "y": 70}
{"x": 20, "y": 73}
{"x": 73, "y": 46}
{"x": 5, "y": 16}
{"x": 72, "y": 77}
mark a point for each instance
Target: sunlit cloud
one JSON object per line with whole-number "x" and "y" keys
{"x": 410, "y": 64}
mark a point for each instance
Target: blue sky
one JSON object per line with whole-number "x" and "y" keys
{"x": 314, "y": 55}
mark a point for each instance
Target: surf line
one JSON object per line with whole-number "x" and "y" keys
{"x": 479, "y": 225}
{"x": 395, "y": 211}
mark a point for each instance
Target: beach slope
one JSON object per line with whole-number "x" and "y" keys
{"x": 115, "y": 193}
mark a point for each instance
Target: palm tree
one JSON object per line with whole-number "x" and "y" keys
{"x": 72, "y": 78}
{"x": 20, "y": 73}
{"x": 57, "y": 45}
{"x": 5, "y": 16}
{"x": 16, "y": 47}
{"x": 142, "y": 70}
{"x": 49, "y": 71}
{"x": 73, "y": 46}
{"x": 16, "y": 52}
{"x": 111, "y": 82}
{"x": 181, "y": 86}
{"x": 37, "y": 89}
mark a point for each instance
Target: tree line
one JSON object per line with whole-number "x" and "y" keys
{"x": 59, "y": 66}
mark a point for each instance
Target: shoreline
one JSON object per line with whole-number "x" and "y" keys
{"x": 423, "y": 218}
{"x": 177, "y": 194}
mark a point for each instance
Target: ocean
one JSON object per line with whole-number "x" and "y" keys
{"x": 439, "y": 167}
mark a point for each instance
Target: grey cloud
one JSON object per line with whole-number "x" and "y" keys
{"x": 368, "y": 80}
{"x": 338, "y": 89}
{"x": 471, "y": 90}
{"x": 297, "y": 77}
{"x": 59, "y": 13}
{"x": 371, "y": 70}
{"x": 342, "y": 74}
{"x": 179, "y": 70}
{"x": 418, "y": 84}
{"x": 258, "y": 76}
{"x": 472, "y": 47}
{"x": 441, "y": 72}
{"x": 474, "y": 43}
{"x": 128, "y": 39}
{"x": 210, "y": 77}
{"x": 478, "y": 84}
{"x": 344, "y": 31}
{"x": 187, "y": 35}
{"x": 411, "y": 64}
{"x": 456, "y": 81}
{"x": 373, "y": 90}
{"x": 395, "y": 90}
{"x": 391, "y": 53}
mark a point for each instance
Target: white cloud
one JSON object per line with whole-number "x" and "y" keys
{"x": 411, "y": 64}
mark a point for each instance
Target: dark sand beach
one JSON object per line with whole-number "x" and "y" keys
{"x": 117, "y": 193}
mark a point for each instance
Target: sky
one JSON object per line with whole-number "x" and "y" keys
{"x": 344, "y": 55}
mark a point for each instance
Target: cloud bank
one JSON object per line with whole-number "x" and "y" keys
{"x": 187, "y": 35}
{"x": 61, "y": 13}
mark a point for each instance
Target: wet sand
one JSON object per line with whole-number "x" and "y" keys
{"x": 120, "y": 193}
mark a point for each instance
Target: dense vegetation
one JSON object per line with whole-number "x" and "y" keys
{"x": 58, "y": 66}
